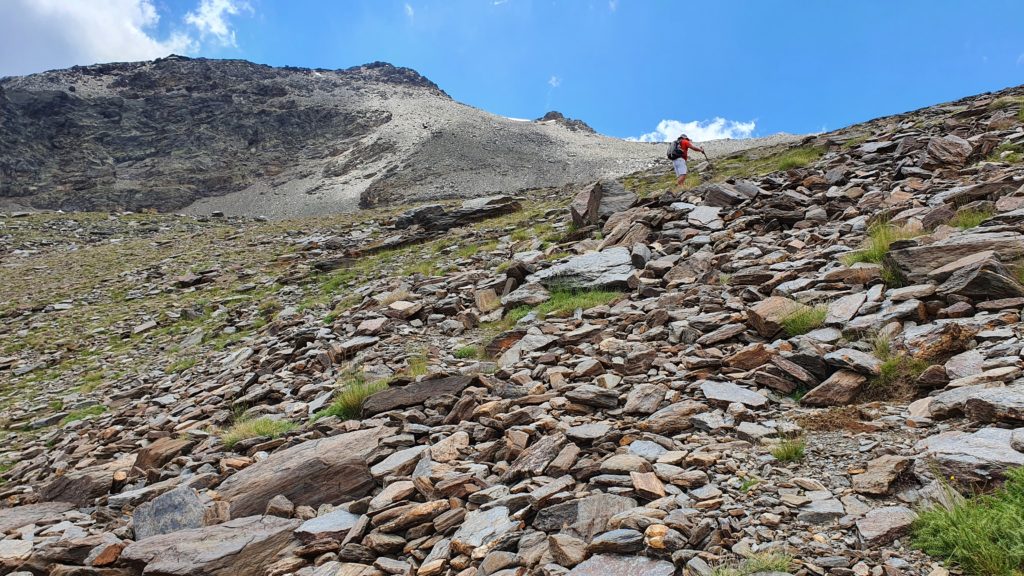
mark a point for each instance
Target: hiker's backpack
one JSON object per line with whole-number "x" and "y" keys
{"x": 674, "y": 151}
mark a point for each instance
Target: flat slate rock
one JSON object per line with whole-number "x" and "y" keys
{"x": 611, "y": 268}
{"x": 727, "y": 393}
{"x": 326, "y": 470}
{"x": 414, "y": 394}
{"x": 1005, "y": 404}
{"x": 333, "y": 525}
{"x": 607, "y": 565}
{"x": 241, "y": 547}
{"x": 11, "y": 518}
{"x": 970, "y": 458}
{"x": 584, "y": 518}
{"x": 883, "y": 525}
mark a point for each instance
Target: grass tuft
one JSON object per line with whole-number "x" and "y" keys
{"x": 467, "y": 352}
{"x": 763, "y": 562}
{"x": 797, "y": 158}
{"x": 804, "y": 320}
{"x": 181, "y": 365}
{"x": 349, "y": 402}
{"x": 984, "y": 535}
{"x": 244, "y": 429}
{"x": 84, "y": 413}
{"x": 880, "y": 237}
{"x": 967, "y": 219}
{"x": 789, "y": 449}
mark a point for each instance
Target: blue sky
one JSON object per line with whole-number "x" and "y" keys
{"x": 623, "y": 66}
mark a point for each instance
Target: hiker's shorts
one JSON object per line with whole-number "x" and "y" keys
{"x": 680, "y": 165}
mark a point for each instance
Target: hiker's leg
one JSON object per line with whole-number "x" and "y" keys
{"x": 681, "y": 180}
{"x": 679, "y": 165}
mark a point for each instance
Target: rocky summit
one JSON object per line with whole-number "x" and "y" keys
{"x": 227, "y": 135}
{"x": 771, "y": 371}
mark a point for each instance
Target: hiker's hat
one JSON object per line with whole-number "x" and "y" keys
{"x": 685, "y": 137}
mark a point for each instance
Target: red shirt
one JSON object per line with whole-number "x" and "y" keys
{"x": 684, "y": 146}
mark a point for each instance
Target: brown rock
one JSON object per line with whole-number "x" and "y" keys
{"x": 161, "y": 452}
{"x": 749, "y": 357}
{"x": 327, "y": 470}
{"x": 414, "y": 394}
{"x": 881, "y": 474}
{"x": 767, "y": 315}
{"x": 241, "y": 547}
{"x": 839, "y": 389}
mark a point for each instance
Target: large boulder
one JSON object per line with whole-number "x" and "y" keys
{"x": 435, "y": 218}
{"x": 917, "y": 261}
{"x": 974, "y": 459}
{"x": 179, "y": 509}
{"x": 768, "y": 315}
{"x": 1004, "y": 404}
{"x": 948, "y": 151}
{"x": 612, "y": 268}
{"x": 240, "y": 547}
{"x": 323, "y": 471}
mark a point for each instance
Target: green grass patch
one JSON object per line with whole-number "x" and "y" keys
{"x": 983, "y": 535}
{"x": 789, "y": 449}
{"x": 797, "y": 157}
{"x": 804, "y": 320}
{"x": 763, "y": 562}
{"x": 417, "y": 365}
{"x": 84, "y": 413}
{"x": 896, "y": 378}
{"x": 468, "y": 352}
{"x": 749, "y": 482}
{"x": 181, "y": 365}
{"x": 880, "y": 237}
{"x": 349, "y": 401}
{"x": 244, "y": 429}
{"x": 1014, "y": 152}
{"x": 966, "y": 219}
{"x": 520, "y": 235}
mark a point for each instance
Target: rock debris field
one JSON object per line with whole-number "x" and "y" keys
{"x": 779, "y": 366}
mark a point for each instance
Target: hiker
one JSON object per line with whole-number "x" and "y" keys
{"x": 678, "y": 153}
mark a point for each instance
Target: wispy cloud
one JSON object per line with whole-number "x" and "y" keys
{"x": 210, "y": 18}
{"x": 554, "y": 81}
{"x": 1020, "y": 60}
{"x": 499, "y": 2}
{"x": 409, "y": 11}
{"x": 613, "y": 5}
{"x": 698, "y": 130}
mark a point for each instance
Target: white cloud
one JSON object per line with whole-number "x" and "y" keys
{"x": 209, "y": 18}
{"x": 554, "y": 81}
{"x": 613, "y": 5}
{"x": 499, "y": 2}
{"x": 698, "y": 130}
{"x": 38, "y": 35}
{"x": 409, "y": 11}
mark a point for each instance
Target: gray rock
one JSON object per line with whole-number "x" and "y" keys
{"x": 583, "y": 518}
{"x": 481, "y": 528}
{"x": 622, "y": 541}
{"x": 334, "y": 525}
{"x": 854, "y": 360}
{"x": 606, "y": 565}
{"x": 179, "y": 509}
{"x": 821, "y": 511}
{"x": 1003, "y": 404}
{"x": 883, "y": 525}
{"x": 976, "y": 459}
{"x": 240, "y": 547}
{"x": 727, "y": 393}
{"x": 612, "y": 268}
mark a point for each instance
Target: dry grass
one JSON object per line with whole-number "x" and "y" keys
{"x": 256, "y": 428}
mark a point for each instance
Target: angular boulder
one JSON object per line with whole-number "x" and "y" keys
{"x": 975, "y": 459}
{"x": 839, "y": 389}
{"x": 240, "y": 547}
{"x": 179, "y": 509}
{"x": 997, "y": 405}
{"x": 326, "y": 470}
{"x": 612, "y": 268}
{"x": 767, "y": 315}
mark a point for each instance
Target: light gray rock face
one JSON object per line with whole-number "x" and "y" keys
{"x": 583, "y": 518}
{"x": 611, "y": 268}
{"x": 241, "y": 547}
{"x": 1003, "y": 404}
{"x": 970, "y": 458}
{"x": 481, "y": 528}
{"x": 606, "y": 565}
{"x": 728, "y": 393}
{"x": 333, "y": 525}
{"x": 179, "y": 509}
{"x": 883, "y": 525}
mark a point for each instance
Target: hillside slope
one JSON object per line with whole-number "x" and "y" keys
{"x": 768, "y": 372}
{"x": 249, "y": 139}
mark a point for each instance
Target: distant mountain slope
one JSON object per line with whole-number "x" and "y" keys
{"x": 196, "y": 134}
